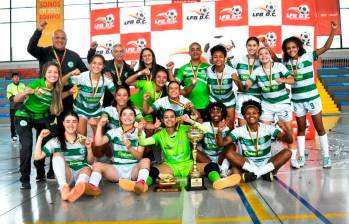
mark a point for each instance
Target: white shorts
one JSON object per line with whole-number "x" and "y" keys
{"x": 258, "y": 164}
{"x": 124, "y": 171}
{"x": 241, "y": 98}
{"x": 283, "y": 111}
{"x": 75, "y": 174}
{"x": 313, "y": 107}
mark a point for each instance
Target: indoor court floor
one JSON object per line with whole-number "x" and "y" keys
{"x": 308, "y": 195}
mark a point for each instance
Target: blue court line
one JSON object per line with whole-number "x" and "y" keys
{"x": 334, "y": 75}
{"x": 340, "y": 93}
{"x": 343, "y": 102}
{"x": 21, "y": 80}
{"x": 248, "y": 207}
{"x": 335, "y": 68}
{"x": 338, "y": 84}
{"x": 304, "y": 202}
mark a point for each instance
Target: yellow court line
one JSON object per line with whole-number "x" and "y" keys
{"x": 160, "y": 221}
{"x": 257, "y": 206}
{"x": 224, "y": 219}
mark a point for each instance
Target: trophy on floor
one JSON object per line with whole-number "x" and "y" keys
{"x": 195, "y": 181}
{"x": 166, "y": 183}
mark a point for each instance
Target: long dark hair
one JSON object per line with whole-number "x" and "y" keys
{"x": 141, "y": 62}
{"x": 299, "y": 44}
{"x": 253, "y": 39}
{"x": 101, "y": 57}
{"x": 61, "y": 129}
{"x": 129, "y": 102}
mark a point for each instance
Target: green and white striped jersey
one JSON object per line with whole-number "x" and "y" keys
{"x": 221, "y": 90}
{"x": 164, "y": 103}
{"x": 75, "y": 155}
{"x": 209, "y": 145}
{"x": 121, "y": 155}
{"x": 272, "y": 92}
{"x": 87, "y": 102}
{"x": 247, "y": 142}
{"x": 241, "y": 64}
{"x": 113, "y": 116}
{"x": 304, "y": 88}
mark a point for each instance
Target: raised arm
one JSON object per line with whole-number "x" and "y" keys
{"x": 170, "y": 67}
{"x": 33, "y": 47}
{"x": 146, "y": 108}
{"x": 131, "y": 80}
{"x": 101, "y": 139}
{"x": 21, "y": 96}
{"x": 38, "y": 153}
{"x": 92, "y": 51}
{"x": 329, "y": 40}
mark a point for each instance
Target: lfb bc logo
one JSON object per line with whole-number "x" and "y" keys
{"x": 302, "y": 12}
{"x": 135, "y": 46}
{"x": 104, "y": 22}
{"x": 136, "y": 18}
{"x": 269, "y": 10}
{"x": 105, "y": 48}
{"x": 166, "y": 18}
{"x": 202, "y": 14}
{"x": 231, "y": 14}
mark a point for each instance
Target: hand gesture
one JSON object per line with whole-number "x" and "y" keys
{"x": 44, "y": 133}
{"x": 28, "y": 91}
{"x": 186, "y": 118}
{"x": 88, "y": 143}
{"x": 170, "y": 66}
{"x": 146, "y": 71}
{"x": 235, "y": 77}
{"x": 126, "y": 142}
{"x": 146, "y": 96}
{"x": 264, "y": 41}
{"x": 94, "y": 45}
{"x": 73, "y": 90}
{"x": 103, "y": 121}
{"x": 133, "y": 64}
{"x": 188, "y": 106}
{"x": 333, "y": 25}
{"x": 157, "y": 123}
{"x": 42, "y": 25}
{"x": 222, "y": 124}
{"x": 140, "y": 127}
{"x": 108, "y": 75}
{"x": 75, "y": 72}
{"x": 279, "y": 80}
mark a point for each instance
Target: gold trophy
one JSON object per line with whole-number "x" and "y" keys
{"x": 195, "y": 181}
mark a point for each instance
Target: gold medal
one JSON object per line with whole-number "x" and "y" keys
{"x": 270, "y": 76}
{"x": 118, "y": 73}
{"x": 119, "y": 83}
{"x": 254, "y": 141}
{"x": 250, "y": 67}
{"x": 196, "y": 71}
{"x": 57, "y": 58}
{"x": 94, "y": 89}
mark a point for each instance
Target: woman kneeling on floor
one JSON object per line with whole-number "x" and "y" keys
{"x": 72, "y": 154}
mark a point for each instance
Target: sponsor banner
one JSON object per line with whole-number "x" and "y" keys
{"x": 134, "y": 43}
{"x": 135, "y": 19}
{"x": 264, "y": 12}
{"x": 298, "y": 12}
{"x": 305, "y": 33}
{"x": 199, "y": 17}
{"x": 105, "y": 44}
{"x": 271, "y": 33}
{"x": 105, "y": 21}
{"x": 166, "y": 17}
{"x": 51, "y": 11}
{"x": 327, "y": 11}
{"x": 231, "y": 13}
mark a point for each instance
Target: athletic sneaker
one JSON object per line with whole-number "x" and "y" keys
{"x": 14, "y": 139}
{"x": 268, "y": 177}
{"x": 40, "y": 178}
{"x": 327, "y": 163}
{"x": 130, "y": 185}
{"x": 92, "y": 190}
{"x": 248, "y": 177}
{"x": 295, "y": 164}
{"x": 229, "y": 181}
{"x": 139, "y": 187}
{"x": 301, "y": 161}
{"x": 77, "y": 191}
{"x": 25, "y": 185}
{"x": 50, "y": 176}
{"x": 225, "y": 173}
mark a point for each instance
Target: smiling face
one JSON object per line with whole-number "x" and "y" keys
{"x": 161, "y": 78}
{"x": 52, "y": 74}
{"x": 216, "y": 114}
{"x": 59, "y": 40}
{"x": 127, "y": 117}
{"x": 173, "y": 90}
{"x": 218, "y": 59}
{"x": 252, "y": 47}
{"x": 251, "y": 115}
{"x": 70, "y": 124}
{"x": 169, "y": 119}
{"x": 97, "y": 65}
{"x": 292, "y": 49}
{"x": 264, "y": 56}
{"x": 195, "y": 52}
{"x": 121, "y": 97}
{"x": 118, "y": 53}
{"x": 147, "y": 57}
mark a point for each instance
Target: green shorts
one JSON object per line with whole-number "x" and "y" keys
{"x": 181, "y": 169}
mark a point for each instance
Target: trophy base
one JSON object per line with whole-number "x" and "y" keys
{"x": 195, "y": 184}
{"x": 173, "y": 188}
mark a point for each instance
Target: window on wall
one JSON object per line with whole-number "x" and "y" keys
{"x": 78, "y": 34}
{"x": 22, "y": 32}
{"x": 5, "y": 42}
{"x": 22, "y": 3}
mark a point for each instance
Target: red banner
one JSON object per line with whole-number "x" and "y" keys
{"x": 231, "y": 13}
{"x": 166, "y": 17}
{"x": 105, "y": 21}
{"x": 134, "y": 43}
{"x": 298, "y": 12}
{"x": 327, "y": 11}
{"x": 271, "y": 33}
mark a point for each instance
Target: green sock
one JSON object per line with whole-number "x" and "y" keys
{"x": 149, "y": 181}
{"x": 213, "y": 176}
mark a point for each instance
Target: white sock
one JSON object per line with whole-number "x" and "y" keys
{"x": 301, "y": 145}
{"x": 225, "y": 165}
{"x": 249, "y": 167}
{"x": 83, "y": 178}
{"x": 58, "y": 166}
{"x": 294, "y": 154}
{"x": 265, "y": 169}
{"x": 324, "y": 145}
{"x": 95, "y": 178}
{"x": 143, "y": 174}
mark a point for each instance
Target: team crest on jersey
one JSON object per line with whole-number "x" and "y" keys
{"x": 139, "y": 18}
{"x": 268, "y": 10}
{"x": 300, "y": 65}
{"x": 82, "y": 151}
{"x": 199, "y": 14}
{"x": 23, "y": 123}
{"x": 70, "y": 64}
{"x": 301, "y": 12}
